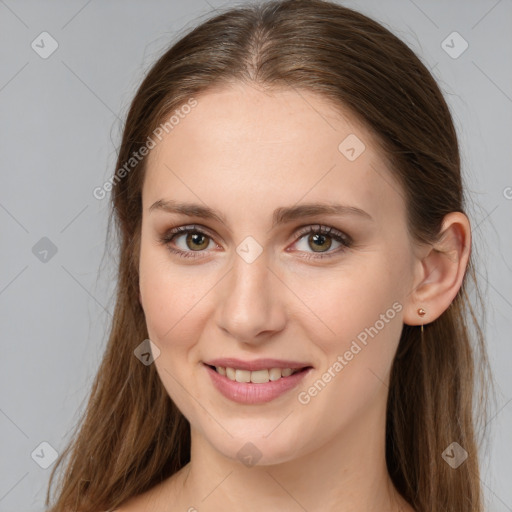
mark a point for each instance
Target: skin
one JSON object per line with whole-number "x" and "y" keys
{"x": 244, "y": 151}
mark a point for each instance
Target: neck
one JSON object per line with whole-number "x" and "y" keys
{"x": 346, "y": 474}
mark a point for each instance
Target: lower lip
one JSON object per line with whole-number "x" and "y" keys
{"x": 251, "y": 393}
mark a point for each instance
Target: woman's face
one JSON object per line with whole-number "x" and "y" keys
{"x": 252, "y": 283}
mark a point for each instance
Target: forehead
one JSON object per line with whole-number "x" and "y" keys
{"x": 242, "y": 145}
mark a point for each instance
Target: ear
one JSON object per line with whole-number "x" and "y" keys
{"x": 441, "y": 271}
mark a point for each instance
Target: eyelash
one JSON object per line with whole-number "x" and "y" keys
{"x": 345, "y": 240}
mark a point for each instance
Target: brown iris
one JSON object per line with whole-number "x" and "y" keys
{"x": 316, "y": 238}
{"x": 196, "y": 238}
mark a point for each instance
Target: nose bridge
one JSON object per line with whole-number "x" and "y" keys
{"x": 250, "y": 278}
{"x": 250, "y": 303}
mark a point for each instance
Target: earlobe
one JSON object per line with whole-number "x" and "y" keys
{"x": 442, "y": 271}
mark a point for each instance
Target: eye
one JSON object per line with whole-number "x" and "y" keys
{"x": 195, "y": 240}
{"x": 320, "y": 239}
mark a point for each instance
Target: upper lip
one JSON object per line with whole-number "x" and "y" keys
{"x": 257, "y": 364}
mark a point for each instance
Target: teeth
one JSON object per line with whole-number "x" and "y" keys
{"x": 257, "y": 376}
{"x": 242, "y": 375}
{"x": 274, "y": 373}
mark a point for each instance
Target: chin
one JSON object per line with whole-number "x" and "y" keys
{"x": 261, "y": 446}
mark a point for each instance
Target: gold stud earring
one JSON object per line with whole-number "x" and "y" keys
{"x": 421, "y": 312}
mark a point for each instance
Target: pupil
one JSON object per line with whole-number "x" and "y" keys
{"x": 322, "y": 238}
{"x": 317, "y": 238}
{"x": 196, "y": 237}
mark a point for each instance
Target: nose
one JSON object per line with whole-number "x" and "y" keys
{"x": 251, "y": 305}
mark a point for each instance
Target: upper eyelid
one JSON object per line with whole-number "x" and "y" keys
{"x": 299, "y": 232}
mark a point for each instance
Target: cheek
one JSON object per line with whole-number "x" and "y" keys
{"x": 170, "y": 303}
{"x": 364, "y": 310}
{"x": 175, "y": 298}
{"x": 362, "y": 307}
{"x": 345, "y": 301}
{"x": 164, "y": 291}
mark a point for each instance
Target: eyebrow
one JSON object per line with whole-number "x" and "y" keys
{"x": 281, "y": 215}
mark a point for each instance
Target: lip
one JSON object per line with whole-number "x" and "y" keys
{"x": 257, "y": 364}
{"x": 250, "y": 393}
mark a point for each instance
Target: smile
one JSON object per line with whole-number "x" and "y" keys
{"x": 258, "y": 376}
{"x": 256, "y": 386}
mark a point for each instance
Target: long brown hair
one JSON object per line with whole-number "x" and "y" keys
{"x": 131, "y": 435}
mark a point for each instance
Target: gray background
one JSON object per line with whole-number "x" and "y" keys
{"x": 61, "y": 120}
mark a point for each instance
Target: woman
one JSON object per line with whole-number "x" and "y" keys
{"x": 289, "y": 331}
